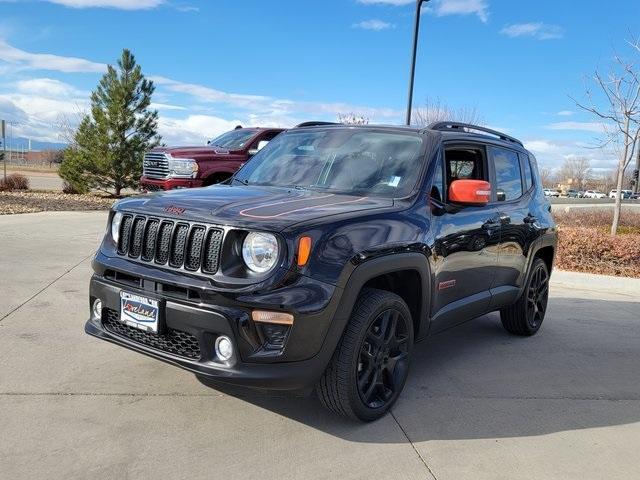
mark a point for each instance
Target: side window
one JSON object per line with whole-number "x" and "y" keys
{"x": 528, "y": 176}
{"x": 508, "y": 176}
{"x": 437, "y": 185}
{"x": 464, "y": 162}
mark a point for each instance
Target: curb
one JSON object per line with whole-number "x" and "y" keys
{"x": 598, "y": 283}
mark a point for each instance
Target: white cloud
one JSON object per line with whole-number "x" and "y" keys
{"x": 374, "y": 24}
{"x": 443, "y": 8}
{"x": 565, "y": 113}
{"x": 165, "y": 106}
{"x": 119, "y": 4}
{"x": 387, "y": 2}
{"x": 597, "y": 127}
{"x": 538, "y": 30}
{"x": 194, "y": 129}
{"x": 24, "y": 60}
{"x": 48, "y": 87}
{"x": 480, "y": 8}
{"x": 552, "y": 153}
{"x": 39, "y": 103}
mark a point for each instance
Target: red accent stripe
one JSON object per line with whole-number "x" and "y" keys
{"x": 243, "y": 212}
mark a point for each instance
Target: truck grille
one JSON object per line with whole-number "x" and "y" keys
{"x": 173, "y": 341}
{"x": 193, "y": 247}
{"x": 155, "y": 165}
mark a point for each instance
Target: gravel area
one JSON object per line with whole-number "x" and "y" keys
{"x": 29, "y": 202}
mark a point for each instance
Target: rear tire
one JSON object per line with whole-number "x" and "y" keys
{"x": 525, "y": 317}
{"x": 370, "y": 365}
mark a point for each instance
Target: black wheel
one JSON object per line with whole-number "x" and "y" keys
{"x": 526, "y": 315}
{"x": 370, "y": 365}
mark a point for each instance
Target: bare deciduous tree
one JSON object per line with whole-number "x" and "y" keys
{"x": 576, "y": 170}
{"x": 352, "y": 118}
{"x": 434, "y": 110}
{"x": 546, "y": 176}
{"x": 618, "y": 105}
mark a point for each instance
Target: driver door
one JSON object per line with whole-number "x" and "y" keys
{"x": 465, "y": 240}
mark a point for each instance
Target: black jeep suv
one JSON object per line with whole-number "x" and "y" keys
{"x": 327, "y": 256}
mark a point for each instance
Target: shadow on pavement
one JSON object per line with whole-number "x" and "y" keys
{"x": 476, "y": 381}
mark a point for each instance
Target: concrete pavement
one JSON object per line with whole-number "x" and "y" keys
{"x": 478, "y": 404}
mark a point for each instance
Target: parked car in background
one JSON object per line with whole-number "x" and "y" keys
{"x": 594, "y": 194}
{"x": 635, "y": 196}
{"x": 625, "y": 193}
{"x": 581, "y": 194}
{"x": 548, "y": 192}
{"x": 166, "y": 168}
{"x": 573, "y": 194}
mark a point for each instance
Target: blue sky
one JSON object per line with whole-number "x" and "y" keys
{"x": 221, "y": 62}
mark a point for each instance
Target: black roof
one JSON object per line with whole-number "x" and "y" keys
{"x": 457, "y": 129}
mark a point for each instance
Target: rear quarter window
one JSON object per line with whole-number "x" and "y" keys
{"x": 506, "y": 165}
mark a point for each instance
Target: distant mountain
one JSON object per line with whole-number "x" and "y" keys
{"x": 23, "y": 143}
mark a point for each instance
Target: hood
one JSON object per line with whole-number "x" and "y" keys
{"x": 191, "y": 152}
{"x": 260, "y": 208}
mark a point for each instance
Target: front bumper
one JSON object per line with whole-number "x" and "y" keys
{"x": 250, "y": 366}
{"x": 154, "y": 184}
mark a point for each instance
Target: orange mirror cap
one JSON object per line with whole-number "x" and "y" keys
{"x": 475, "y": 192}
{"x": 304, "y": 250}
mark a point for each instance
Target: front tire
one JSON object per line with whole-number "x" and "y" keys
{"x": 370, "y": 365}
{"x": 525, "y": 317}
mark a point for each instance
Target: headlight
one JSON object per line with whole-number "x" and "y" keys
{"x": 115, "y": 227}
{"x": 183, "y": 167}
{"x": 260, "y": 251}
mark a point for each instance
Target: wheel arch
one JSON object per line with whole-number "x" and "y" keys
{"x": 391, "y": 273}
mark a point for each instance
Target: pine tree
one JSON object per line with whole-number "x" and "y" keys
{"x": 110, "y": 141}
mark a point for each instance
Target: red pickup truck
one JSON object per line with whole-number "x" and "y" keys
{"x": 166, "y": 168}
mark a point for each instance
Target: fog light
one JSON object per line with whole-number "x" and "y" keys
{"x": 96, "y": 310}
{"x": 224, "y": 348}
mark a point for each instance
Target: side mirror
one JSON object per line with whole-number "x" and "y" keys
{"x": 470, "y": 192}
{"x": 261, "y": 145}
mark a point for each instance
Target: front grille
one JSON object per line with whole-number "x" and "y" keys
{"x": 155, "y": 165}
{"x": 180, "y": 244}
{"x": 173, "y": 341}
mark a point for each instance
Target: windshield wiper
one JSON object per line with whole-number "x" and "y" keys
{"x": 244, "y": 182}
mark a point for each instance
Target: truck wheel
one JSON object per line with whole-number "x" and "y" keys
{"x": 370, "y": 365}
{"x": 526, "y": 315}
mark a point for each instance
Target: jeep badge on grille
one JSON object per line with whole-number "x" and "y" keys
{"x": 174, "y": 210}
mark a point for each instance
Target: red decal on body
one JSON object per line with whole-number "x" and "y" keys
{"x": 447, "y": 284}
{"x": 245, "y": 213}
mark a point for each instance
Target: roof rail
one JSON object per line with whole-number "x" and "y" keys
{"x": 315, "y": 123}
{"x": 443, "y": 126}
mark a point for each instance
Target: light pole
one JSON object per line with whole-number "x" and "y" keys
{"x": 412, "y": 72}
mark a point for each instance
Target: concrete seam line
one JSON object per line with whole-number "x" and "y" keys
{"x": 45, "y": 287}
{"x": 107, "y": 394}
{"x": 422, "y": 459}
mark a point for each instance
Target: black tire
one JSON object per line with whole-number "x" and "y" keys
{"x": 367, "y": 362}
{"x": 525, "y": 317}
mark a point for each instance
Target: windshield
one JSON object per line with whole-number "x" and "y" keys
{"x": 345, "y": 160}
{"x": 233, "y": 140}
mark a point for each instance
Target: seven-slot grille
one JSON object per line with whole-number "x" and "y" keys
{"x": 179, "y": 244}
{"x": 155, "y": 165}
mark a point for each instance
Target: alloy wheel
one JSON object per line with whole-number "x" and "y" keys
{"x": 537, "y": 296}
{"x": 383, "y": 359}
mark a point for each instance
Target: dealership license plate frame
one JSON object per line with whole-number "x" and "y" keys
{"x": 151, "y": 323}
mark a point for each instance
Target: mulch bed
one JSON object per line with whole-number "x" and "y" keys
{"x": 30, "y": 202}
{"x": 586, "y": 245}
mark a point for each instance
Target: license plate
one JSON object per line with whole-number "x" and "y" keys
{"x": 139, "y": 312}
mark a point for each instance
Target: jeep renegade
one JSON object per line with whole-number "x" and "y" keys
{"x": 324, "y": 259}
